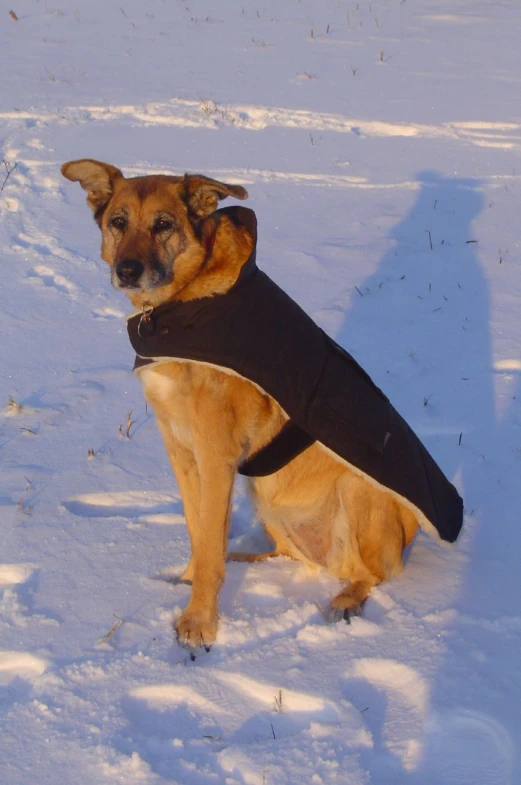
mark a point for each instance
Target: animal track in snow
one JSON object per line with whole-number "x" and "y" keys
{"x": 12, "y": 602}
{"x": 107, "y": 313}
{"x": 163, "y": 519}
{"x": 128, "y": 504}
{"x": 240, "y": 721}
{"x": 431, "y": 747}
{"x": 450, "y": 735}
{"x": 236, "y": 707}
{"x": 396, "y": 699}
{"x": 12, "y": 574}
{"x": 18, "y": 670}
{"x": 50, "y": 278}
{"x": 19, "y": 664}
{"x": 183, "y": 113}
{"x": 17, "y": 584}
{"x": 12, "y": 205}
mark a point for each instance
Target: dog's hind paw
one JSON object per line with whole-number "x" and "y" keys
{"x": 349, "y": 602}
{"x": 344, "y": 614}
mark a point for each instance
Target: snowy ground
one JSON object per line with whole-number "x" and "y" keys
{"x": 380, "y": 145}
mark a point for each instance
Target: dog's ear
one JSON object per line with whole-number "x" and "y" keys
{"x": 96, "y": 178}
{"x": 201, "y": 194}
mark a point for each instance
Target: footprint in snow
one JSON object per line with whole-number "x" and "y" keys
{"x": 236, "y": 721}
{"x": 230, "y": 706}
{"x": 147, "y": 506}
{"x": 13, "y": 574}
{"x": 49, "y": 278}
{"x": 107, "y": 313}
{"x": 458, "y": 747}
{"x": 18, "y": 670}
{"x": 18, "y": 583}
{"x": 464, "y": 747}
{"x": 393, "y": 699}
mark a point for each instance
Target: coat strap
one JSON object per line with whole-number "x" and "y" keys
{"x": 286, "y": 445}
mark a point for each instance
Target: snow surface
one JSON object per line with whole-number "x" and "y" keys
{"x": 365, "y": 133}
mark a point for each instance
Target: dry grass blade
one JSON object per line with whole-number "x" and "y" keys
{"x": 130, "y": 423}
{"x": 12, "y": 404}
{"x": 117, "y": 624}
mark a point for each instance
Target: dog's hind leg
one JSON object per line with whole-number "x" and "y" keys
{"x": 379, "y": 529}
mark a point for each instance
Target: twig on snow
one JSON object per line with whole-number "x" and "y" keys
{"x": 9, "y": 168}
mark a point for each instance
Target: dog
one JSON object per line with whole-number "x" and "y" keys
{"x": 166, "y": 243}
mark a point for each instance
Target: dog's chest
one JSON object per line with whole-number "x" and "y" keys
{"x": 187, "y": 398}
{"x": 172, "y": 390}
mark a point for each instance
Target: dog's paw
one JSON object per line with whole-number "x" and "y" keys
{"x": 349, "y": 602}
{"x": 195, "y": 630}
{"x": 338, "y": 614}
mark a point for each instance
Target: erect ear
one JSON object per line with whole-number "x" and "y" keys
{"x": 202, "y": 194}
{"x": 96, "y": 178}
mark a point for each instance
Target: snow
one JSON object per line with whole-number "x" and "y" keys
{"x": 379, "y": 142}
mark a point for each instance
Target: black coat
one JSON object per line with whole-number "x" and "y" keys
{"x": 258, "y": 332}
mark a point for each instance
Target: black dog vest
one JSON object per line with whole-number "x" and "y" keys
{"x": 256, "y": 331}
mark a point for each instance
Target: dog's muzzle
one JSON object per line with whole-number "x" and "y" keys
{"x": 129, "y": 271}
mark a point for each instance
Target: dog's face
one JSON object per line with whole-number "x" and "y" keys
{"x": 157, "y": 231}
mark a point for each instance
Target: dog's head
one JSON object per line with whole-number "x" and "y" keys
{"x": 157, "y": 231}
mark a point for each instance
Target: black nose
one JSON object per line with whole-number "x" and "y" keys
{"x": 129, "y": 271}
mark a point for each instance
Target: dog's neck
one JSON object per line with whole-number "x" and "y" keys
{"x": 225, "y": 250}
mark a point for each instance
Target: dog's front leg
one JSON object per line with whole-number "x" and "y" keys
{"x": 197, "y": 625}
{"x": 185, "y": 469}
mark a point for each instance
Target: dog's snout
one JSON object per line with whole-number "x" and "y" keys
{"x": 129, "y": 271}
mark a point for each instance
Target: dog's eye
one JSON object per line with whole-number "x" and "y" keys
{"x": 119, "y": 223}
{"x": 163, "y": 225}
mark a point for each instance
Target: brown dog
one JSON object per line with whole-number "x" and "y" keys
{"x": 162, "y": 244}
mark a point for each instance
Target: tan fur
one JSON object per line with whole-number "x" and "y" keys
{"x": 316, "y": 509}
